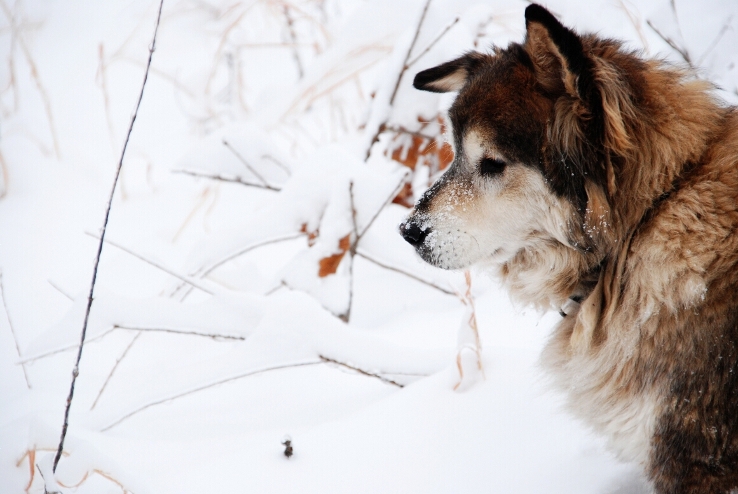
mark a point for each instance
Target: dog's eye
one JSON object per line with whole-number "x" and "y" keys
{"x": 489, "y": 167}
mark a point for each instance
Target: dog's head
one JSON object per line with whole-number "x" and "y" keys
{"x": 526, "y": 137}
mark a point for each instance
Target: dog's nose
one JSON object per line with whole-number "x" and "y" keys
{"x": 412, "y": 233}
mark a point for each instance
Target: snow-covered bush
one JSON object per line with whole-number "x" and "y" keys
{"x": 252, "y": 282}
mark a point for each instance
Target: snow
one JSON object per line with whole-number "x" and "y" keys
{"x": 211, "y": 335}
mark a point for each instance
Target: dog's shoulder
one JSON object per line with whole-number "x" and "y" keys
{"x": 688, "y": 241}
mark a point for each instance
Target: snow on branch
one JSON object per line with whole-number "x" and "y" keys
{"x": 204, "y": 387}
{"x": 221, "y": 178}
{"x": 361, "y": 371}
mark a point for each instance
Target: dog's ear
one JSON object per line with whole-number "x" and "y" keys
{"x": 557, "y": 54}
{"x": 449, "y": 76}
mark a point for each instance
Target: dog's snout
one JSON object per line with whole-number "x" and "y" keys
{"x": 412, "y": 233}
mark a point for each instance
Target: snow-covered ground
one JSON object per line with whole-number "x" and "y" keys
{"x": 218, "y": 325}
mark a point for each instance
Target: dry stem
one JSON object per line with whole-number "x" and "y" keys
{"x": 183, "y": 278}
{"x": 206, "y": 386}
{"x": 682, "y": 51}
{"x": 405, "y": 66}
{"x": 403, "y": 272}
{"x": 213, "y": 336}
{"x": 247, "y": 165}
{"x": 293, "y": 39}
{"x": 34, "y": 75}
{"x": 361, "y": 371}
{"x": 433, "y": 43}
{"x": 12, "y": 330}
{"x": 235, "y": 180}
{"x": 202, "y": 272}
{"x": 112, "y": 371}
{"x": 75, "y": 372}
{"x": 345, "y": 317}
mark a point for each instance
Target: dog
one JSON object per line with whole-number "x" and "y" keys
{"x": 593, "y": 181}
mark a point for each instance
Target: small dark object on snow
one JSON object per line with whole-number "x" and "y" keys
{"x": 287, "y": 446}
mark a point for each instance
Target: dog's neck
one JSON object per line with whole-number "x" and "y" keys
{"x": 548, "y": 274}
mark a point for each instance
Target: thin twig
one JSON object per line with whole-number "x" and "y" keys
{"x": 58, "y": 289}
{"x": 405, "y": 66}
{"x": 206, "y": 386}
{"x": 4, "y": 177}
{"x": 213, "y": 336}
{"x": 395, "y": 191}
{"x": 103, "y": 78}
{"x": 361, "y": 371}
{"x": 33, "y": 358}
{"x": 403, "y": 272}
{"x": 235, "y": 180}
{"x": 433, "y": 43}
{"x": 293, "y": 39}
{"x": 273, "y": 290}
{"x": 186, "y": 279}
{"x": 206, "y": 271}
{"x": 203, "y": 272}
{"x": 112, "y": 371}
{"x": 714, "y": 43}
{"x": 34, "y": 75}
{"x": 44, "y": 479}
{"x": 277, "y": 162}
{"x": 247, "y": 165}
{"x": 75, "y": 372}
{"x": 12, "y": 330}
{"x": 682, "y": 51}
{"x": 346, "y": 317}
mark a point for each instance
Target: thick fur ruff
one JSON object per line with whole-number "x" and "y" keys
{"x": 588, "y": 177}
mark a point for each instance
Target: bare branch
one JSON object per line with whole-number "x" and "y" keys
{"x": 384, "y": 205}
{"x": 235, "y": 180}
{"x": 277, "y": 162}
{"x": 247, "y": 165}
{"x": 346, "y": 317}
{"x": 58, "y": 289}
{"x": 717, "y": 39}
{"x": 405, "y": 66}
{"x": 403, "y": 272}
{"x": 271, "y": 291}
{"x": 33, "y": 358}
{"x": 214, "y": 336}
{"x": 207, "y": 386}
{"x": 248, "y": 248}
{"x": 682, "y": 51}
{"x": 202, "y": 272}
{"x": 12, "y": 330}
{"x": 433, "y": 43}
{"x": 112, "y": 371}
{"x": 353, "y": 219}
{"x": 186, "y": 279}
{"x": 34, "y": 75}
{"x": 293, "y": 39}
{"x": 361, "y": 371}
{"x": 75, "y": 371}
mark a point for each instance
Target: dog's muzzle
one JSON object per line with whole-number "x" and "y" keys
{"x": 412, "y": 233}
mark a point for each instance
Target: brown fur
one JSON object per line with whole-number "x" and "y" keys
{"x": 639, "y": 189}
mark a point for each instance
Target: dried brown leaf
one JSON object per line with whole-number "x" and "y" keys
{"x": 329, "y": 265}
